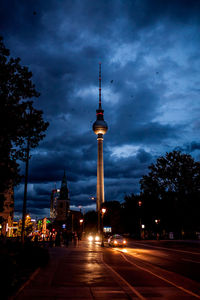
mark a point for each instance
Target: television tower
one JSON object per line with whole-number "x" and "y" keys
{"x": 100, "y": 128}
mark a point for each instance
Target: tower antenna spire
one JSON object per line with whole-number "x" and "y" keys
{"x": 99, "y": 85}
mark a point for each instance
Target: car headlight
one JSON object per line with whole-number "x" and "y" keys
{"x": 97, "y": 238}
{"x": 124, "y": 241}
{"x": 115, "y": 242}
{"x": 90, "y": 238}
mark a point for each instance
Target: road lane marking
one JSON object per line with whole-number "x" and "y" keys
{"x": 160, "y": 277}
{"x": 196, "y": 262}
{"x": 123, "y": 280}
{"x": 196, "y": 253}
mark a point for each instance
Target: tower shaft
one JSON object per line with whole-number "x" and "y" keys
{"x": 100, "y": 128}
{"x": 100, "y": 173}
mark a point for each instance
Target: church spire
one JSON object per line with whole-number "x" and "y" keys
{"x": 64, "y": 176}
{"x": 64, "y": 189}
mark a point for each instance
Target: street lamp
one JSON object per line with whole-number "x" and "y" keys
{"x": 142, "y": 231}
{"x": 140, "y": 205}
{"x": 157, "y": 221}
{"x": 82, "y": 225}
{"x": 103, "y": 211}
{"x": 27, "y": 117}
{"x": 98, "y": 216}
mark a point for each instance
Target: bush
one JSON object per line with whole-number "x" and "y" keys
{"x": 18, "y": 263}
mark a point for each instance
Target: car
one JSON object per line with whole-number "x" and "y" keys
{"x": 117, "y": 240}
{"x": 93, "y": 237}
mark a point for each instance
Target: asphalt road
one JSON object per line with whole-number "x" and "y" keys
{"x": 143, "y": 270}
{"x": 176, "y": 256}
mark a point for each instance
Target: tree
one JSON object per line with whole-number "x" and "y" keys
{"x": 90, "y": 221}
{"x": 16, "y": 90}
{"x": 172, "y": 191}
{"x": 113, "y": 216}
{"x": 133, "y": 214}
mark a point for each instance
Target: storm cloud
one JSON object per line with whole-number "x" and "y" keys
{"x": 149, "y": 52}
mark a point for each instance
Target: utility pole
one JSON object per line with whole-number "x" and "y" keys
{"x": 27, "y": 116}
{"x": 25, "y": 189}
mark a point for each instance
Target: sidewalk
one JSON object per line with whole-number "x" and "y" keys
{"x": 75, "y": 273}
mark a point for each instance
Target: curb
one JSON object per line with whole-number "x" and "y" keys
{"x": 25, "y": 284}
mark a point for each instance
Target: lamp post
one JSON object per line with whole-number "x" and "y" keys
{"x": 157, "y": 221}
{"x": 82, "y": 225}
{"x": 103, "y": 211}
{"x": 98, "y": 216}
{"x": 140, "y": 223}
{"x": 27, "y": 115}
{"x": 142, "y": 233}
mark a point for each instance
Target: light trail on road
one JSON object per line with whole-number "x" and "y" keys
{"x": 123, "y": 280}
{"x": 190, "y": 260}
{"x": 125, "y": 252}
{"x": 165, "y": 248}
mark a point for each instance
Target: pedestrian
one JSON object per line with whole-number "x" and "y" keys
{"x": 79, "y": 236}
{"x": 36, "y": 239}
{"x": 51, "y": 241}
{"x": 75, "y": 239}
{"x": 67, "y": 239}
{"x": 57, "y": 239}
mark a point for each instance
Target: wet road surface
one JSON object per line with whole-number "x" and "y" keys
{"x": 180, "y": 257}
{"x": 140, "y": 271}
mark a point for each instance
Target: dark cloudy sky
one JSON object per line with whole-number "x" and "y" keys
{"x": 149, "y": 49}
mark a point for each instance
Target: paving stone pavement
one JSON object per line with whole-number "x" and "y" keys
{"x": 74, "y": 273}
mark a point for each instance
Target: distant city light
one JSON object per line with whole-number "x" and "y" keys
{"x": 107, "y": 229}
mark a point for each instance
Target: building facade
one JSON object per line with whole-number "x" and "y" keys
{"x": 60, "y": 202}
{"x": 7, "y": 212}
{"x": 55, "y": 194}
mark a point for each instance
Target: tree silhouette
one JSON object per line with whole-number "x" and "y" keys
{"x": 17, "y": 126}
{"x": 172, "y": 191}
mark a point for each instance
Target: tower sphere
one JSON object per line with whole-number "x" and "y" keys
{"x": 100, "y": 127}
